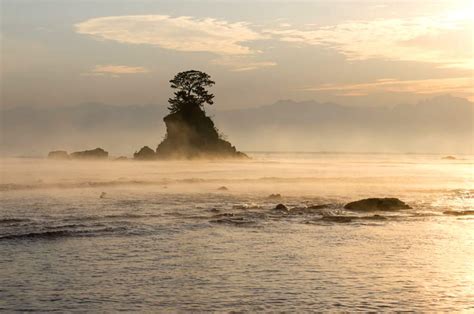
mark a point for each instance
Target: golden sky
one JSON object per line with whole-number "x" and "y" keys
{"x": 124, "y": 52}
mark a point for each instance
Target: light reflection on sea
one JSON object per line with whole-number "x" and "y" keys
{"x": 164, "y": 237}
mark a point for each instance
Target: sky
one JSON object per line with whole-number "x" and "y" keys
{"x": 353, "y": 52}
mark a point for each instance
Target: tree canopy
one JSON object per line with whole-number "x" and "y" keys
{"x": 190, "y": 91}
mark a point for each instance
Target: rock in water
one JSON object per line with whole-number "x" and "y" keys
{"x": 374, "y": 204}
{"x": 97, "y": 153}
{"x": 342, "y": 219}
{"x": 459, "y": 213}
{"x": 191, "y": 134}
{"x": 281, "y": 207}
{"x": 58, "y": 154}
{"x": 449, "y": 158}
{"x": 145, "y": 153}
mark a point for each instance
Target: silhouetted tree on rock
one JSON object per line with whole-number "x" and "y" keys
{"x": 189, "y": 132}
{"x": 190, "y": 91}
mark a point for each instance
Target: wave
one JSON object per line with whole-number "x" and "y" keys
{"x": 14, "y": 187}
{"x": 13, "y": 220}
{"x": 459, "y": 213}
{"x": 61, "y": 234}
{"x": 165, "y": 181}
{"x": 112, "y": 216}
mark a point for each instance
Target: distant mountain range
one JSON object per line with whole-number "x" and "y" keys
{"x": 443, "y": 124}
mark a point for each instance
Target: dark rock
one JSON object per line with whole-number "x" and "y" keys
{"x": 306, "y": 210}
{"x": 375, "y": 217}
{"x": 102, "y": 195}
{"x": 345, "y": 219}
{"x": 97, "y": 153}
{"x": 375, "y": 204}
{"x": 223, "y": 188}
{"x": 237, "y": 221}
{"x": 297, "y": 211}
{"x": 281, "y": 207}
{"x": 145, "y": 153}
{"x": 224, "y": 215}
{"x": 58, "y": 154}
{"x": 191, "y": 134}
{"x": 449, "y": 158}
{"x": 341, "y": 219}
{"x": 459, "y": 213}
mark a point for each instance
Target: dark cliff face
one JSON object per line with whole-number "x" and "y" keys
{"x": 192, "y": 134}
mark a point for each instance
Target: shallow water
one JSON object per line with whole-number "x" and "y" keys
{"x": 163, "y": 235}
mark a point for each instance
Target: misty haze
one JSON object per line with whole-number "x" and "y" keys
{"x": 443, "y": 124}
{"x": 236, "y": 156}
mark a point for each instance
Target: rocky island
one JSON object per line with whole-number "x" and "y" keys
{"x": 97, "y": 153}
{"x": 190, "y": 133}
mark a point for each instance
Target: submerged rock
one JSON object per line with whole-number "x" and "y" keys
{"x": 103, "y": 195}
{"x": 310, "y": 210}
{"x": 237, "y": 221}
{"x": 375, "y": 217}
{"x": 449, "y": 158}
{"x": 223, "y": 188}
{"x": 376, "y": 204}
{"x": 97, "y": 153}
{"x": 58, "y": 154}
{"x": 145, "y": 153}
{"x": 224, "y": 215}
{"x": 345, "y": 219}
{"x": 341, "y": 219}
{"x": 459, "y": 213}
{"x": 281, "y": 207}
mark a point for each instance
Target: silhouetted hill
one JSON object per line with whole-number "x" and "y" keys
{"x": 34, "y": 131}
{"x": 443, "y": 124}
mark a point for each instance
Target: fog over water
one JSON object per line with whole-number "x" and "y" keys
{"x": 442, "y": 124}
{"x": 129, "y": 235}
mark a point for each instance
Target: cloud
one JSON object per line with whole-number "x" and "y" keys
{"x": 182, "y": 33}
{"x": 438, "y": 39}
{"x": 240, "y": 64}
{"x": 115, "y": 70}
{"x": 462, "y": 86}
{"x": 435, "y": 39}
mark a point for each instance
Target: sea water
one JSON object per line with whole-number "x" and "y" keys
{"x": 203, "y": 235}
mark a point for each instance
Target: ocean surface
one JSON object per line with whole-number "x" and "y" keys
{"x": 203, "y": 235}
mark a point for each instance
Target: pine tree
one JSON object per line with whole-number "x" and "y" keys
{"x": 190, "y": 91}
